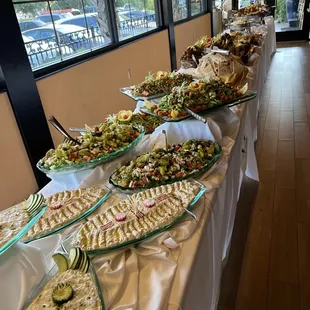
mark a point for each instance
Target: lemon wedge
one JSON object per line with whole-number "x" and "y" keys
{"x": 244, "y": 89}
{"x": 124, "y": 116}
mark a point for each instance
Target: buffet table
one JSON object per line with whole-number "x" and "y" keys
{"x": 181, "y": 267}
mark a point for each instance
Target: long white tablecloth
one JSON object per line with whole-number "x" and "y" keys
{"x": 180, "y": 268}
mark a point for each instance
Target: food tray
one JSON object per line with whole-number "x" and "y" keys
{"x": 23, "y": 231}
{"x": 191, "y": 175}
{"x": 128, "y": 92}
{"x": 79, "y": 218}
{"x": 66, "y": 242}
{"x": 94, "y": 162}
{"x": 249, "y": 95}
{"x": 39, "y": 287}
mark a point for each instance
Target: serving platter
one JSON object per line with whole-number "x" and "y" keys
{"x": 36, "y": 290}
{"x": 249, "y": 95}
{"x": 128, "y": 92}
{"x": 94, "y": 162}
{"x": 23, "y": 231}
{"x": 70, "y": 241}
{"x": 153, "y": 185}
{"x": 75, "y": 220}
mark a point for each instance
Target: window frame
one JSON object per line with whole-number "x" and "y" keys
{"x": 116, "y": 43}
{"x": 205, "y": 6}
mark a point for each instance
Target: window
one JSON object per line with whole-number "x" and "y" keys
{"x": 179, "y": 8}
{"x": 196, "y": 7}
{"x": 63, "y": 29}
{"x": 134, "y": 17}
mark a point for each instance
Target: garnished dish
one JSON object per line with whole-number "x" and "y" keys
{"x": 157, "y": 84}
{"x": 197, "y": 96}
{"x": 193, "y": 53}
{"x": 138, "y": 217}
{"x": 73, "y": 286}
{"x": 149, "y": 122}
{"x": 66, "y": 208}
{"x": 97, "y": 145}
{"x": 17, "y": 220}
{"x": 163, "y": 166}
{"x": 254, "y": 9}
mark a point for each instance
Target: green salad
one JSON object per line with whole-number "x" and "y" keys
{"x": 161, "y": 83}
{"x": 196, "y": 96}
{"x": 167, "y": 165}
{"x": 97, "y": 142}
{"x": 149, "y": 122}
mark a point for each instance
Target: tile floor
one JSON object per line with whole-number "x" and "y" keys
{"x": 269, "y": 263}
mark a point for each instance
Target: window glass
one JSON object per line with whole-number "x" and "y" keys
{"x": 134, "y": 17}
{"x": 61, "y": 29}
{"x": 55, "y": 30}
{"x": 196, "y": 7}
{"x": 179, "y": 8}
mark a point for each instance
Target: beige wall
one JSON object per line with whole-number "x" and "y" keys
{"x": 17, "y": 179}
{"x": 88, "y": 92}
{"x": 188, "y": 33}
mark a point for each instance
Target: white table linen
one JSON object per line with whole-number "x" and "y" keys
{"x": 180, "y": 268}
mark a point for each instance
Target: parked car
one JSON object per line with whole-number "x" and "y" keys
{"x": 47, "y": 18}
{"x": 80, "y": 20}
{"x": 40, "y": 53}
{"x": 135, "y": 15}
{"x": 30, "y": 24}
{"x": 72, "y": 36}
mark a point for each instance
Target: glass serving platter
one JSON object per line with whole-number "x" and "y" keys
{"x": 79, "y": 218}
{"x": 94, "y": 162}
{"x": 39, "y": 287}
{"x": 191, "y": 175}
{"x": 66, "y": 243}
{"x": 249, "y": 95}
{"x": 22, "y": 232}
{"x": 128, "y": 92}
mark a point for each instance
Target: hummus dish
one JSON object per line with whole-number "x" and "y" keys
{"x": 79, "y": 287}
{"x": 140, "y": 214}
{"x": 65, "y": 207}
{"x": 12, "y": 220}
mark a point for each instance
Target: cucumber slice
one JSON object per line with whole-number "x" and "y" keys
{"x": 34, "y": 203}
{"x": 62, "y": 293}
{"x": 61, "y": 262}
{"x": 75, "y": 257}
{"x": 85, "y": 264}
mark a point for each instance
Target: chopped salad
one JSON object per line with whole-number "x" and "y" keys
{"x": 162, "y": 165}
{"x": 149, "y": 122}
{"x": 196, "y": 96}
{"x": 161, "y": 83}
{"x": 97, "y": 142}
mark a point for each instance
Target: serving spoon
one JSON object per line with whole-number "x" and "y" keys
{"x": 60, "y": 128}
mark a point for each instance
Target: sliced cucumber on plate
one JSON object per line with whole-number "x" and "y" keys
{"x": 78, "y": 260}
{"x": 61, "y": 262}
{"x": 34, "y": 204}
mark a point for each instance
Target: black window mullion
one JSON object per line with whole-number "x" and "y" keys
{"x": 112, "y": 20}
{"x": 56, "y": 34}
{"x": 189, "y": 8}
{"x": 158, "y": 15}
{"x": 167, "y": 13}
{"x": 204, "y": 6}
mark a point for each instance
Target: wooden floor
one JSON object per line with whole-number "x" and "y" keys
{"x": 269, "y": 262}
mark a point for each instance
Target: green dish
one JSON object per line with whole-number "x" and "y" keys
{"x": 94, "y": 162}
{"x": 247, "y": 97}
{"x": 39, "y": 287}
{"x": 79, "y": 218}
{"x": 190, "y": 175}
{"x": 146, "y": 236}
{"x": 22, "y": 232}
